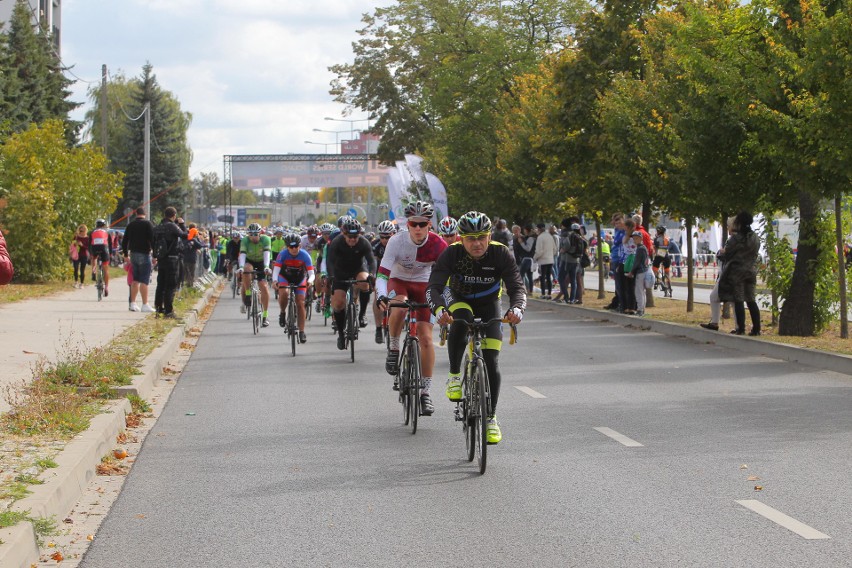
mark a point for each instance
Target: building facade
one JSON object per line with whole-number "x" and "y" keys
{"x": 47, "y": 13}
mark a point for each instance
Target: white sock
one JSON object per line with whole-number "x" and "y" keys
{"x": 394, "y": 343}
{"x": 427, "y": 384}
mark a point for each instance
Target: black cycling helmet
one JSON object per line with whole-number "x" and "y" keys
{"x": 419, "y": 209}
{"x": 292, "y": 240}
{"x": 661, "y": 229}
{"x": 474, "y": 223}
{"x": 351, "y": 227}
{"x": 100, "y": 223}
{"x": 312, "y": 231}
{"x": 342, "y": 219}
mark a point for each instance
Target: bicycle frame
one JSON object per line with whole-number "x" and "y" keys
{"x": 409, "y": 372}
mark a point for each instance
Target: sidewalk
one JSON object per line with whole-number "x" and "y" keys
{"x": 40, "y": 327}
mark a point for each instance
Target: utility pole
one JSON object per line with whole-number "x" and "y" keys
{"x": 146, "y": 171}
{"x": 104, "y": 113}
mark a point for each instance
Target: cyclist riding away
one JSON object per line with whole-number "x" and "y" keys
{"x": 255, "y": 254}
{"x": 99, "y": 250}
{"x": 466, "y": 283}
{"x": 345, "y": 257}
{"x": 386, "y": 230}
{"x": 404, "y": 274}
{"x": 661, "y": 254}
{"x": 293, "y": 266}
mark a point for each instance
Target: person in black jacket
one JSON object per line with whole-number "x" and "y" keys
{"x": 190, "y": 255}
{"x": 168, "y": 233}
{"x": 138, "y": 242}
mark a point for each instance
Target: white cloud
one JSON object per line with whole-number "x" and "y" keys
{"x": 253, "y": 73}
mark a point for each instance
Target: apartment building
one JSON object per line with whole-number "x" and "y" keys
{"x": 48, "y": 13}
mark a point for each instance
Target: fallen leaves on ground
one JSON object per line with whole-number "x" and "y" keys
{"x": 57, "y": 556}
{"x": 132, "y": 420}
{"x": 753, "y": 478}
{"x": 110, "y": 468}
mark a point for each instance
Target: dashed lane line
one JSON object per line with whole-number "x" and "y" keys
{"x": 780, "y": 518}
{"x": 530, "y": 392}
{"x": 618, "y": 437}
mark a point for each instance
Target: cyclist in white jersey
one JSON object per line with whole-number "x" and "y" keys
{"x": 404, "y": 274}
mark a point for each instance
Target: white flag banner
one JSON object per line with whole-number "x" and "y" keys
{"x": 439, "y": 196}
{"x": 403, "y": 183}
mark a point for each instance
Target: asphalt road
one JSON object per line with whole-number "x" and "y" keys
{"x": 636, "y": 456}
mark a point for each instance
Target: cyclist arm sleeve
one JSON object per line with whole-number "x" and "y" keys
{"x": 329, "y": 260}
{"x": 311, "y": 276}
{"x": 438, "y": 280}
{"x": 267, "y": 256}
{"x": 276, "y": 270}
{"x": 368, "y": 255}
{"x": 242, "y": 260}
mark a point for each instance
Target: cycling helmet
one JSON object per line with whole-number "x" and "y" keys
{"x": 661, "y": 229}
{"x": 253, "y": 230}
{"x": 419, "y": 209}
{"x": 100, "y": 223}
{"x": 474, "y": 223}
{"x": 342, "y": 219}
{"x": 448, "y": 226}
{"x": 292, "y": 240}
{"x": 351, "y": 227}
{"x": 326, "y": 228}
{"x": 312, "y": 231}
{"x": 386, "y": 228}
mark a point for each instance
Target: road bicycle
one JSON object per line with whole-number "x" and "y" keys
{"x": 255, "y": 313}
{"x": 352, "y": 328}
{"x": 310, "y": 296}
{"x": 663, "y": 282}
{"x": 291, "y": 328}
{"x": 235, "y": 284}
{"x": 409, "y": 371}
{"x": 474, "y": 408}
{"x": 99, "y": 279}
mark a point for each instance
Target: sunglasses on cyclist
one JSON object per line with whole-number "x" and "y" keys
{"x": 419, "y": 224}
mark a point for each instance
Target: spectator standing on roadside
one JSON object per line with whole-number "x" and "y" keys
{"x": 573, "y": 245}
{"x": 167, "y": 237}
{"x": 190, "y": 255}
{"x": 715, "y": 304}
{"x": 523, "y": 244}
{"x": 545, "y": 250}
{"x": 738, "y": 282}
{"x": 617, "y": 260}
{"x": 501, "y": 234}
{"x": 554, "y": 234}
{"x": 138, "y": 242}
{"x": 81, "y": 243}
{"x": 6, "y": 268}
{"x": 636, "y": 276}
{"x": 628, "y": 304}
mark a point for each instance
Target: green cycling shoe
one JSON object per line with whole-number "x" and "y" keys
{"x": 454, "y": 388}
{"x": 492, "y": 431}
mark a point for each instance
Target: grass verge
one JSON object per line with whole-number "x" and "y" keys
{"x": 20, "y": 292}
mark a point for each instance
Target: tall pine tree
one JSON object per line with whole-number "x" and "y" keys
{"x": 33, "y": 88}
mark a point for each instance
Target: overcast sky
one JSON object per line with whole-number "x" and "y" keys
{"x": 253, "y": 73}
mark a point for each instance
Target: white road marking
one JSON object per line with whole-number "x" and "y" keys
{"x": 529, "y": 391}
{"x": 620, "y": 438}
{"x": 780, "y": 518}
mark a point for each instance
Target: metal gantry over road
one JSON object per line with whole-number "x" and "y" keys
{"x": 620, "y": 448}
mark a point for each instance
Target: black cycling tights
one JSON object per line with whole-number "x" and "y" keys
{"x": 457, "y": 343}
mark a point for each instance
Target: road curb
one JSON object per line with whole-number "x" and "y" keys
{"x": 829, "y": 361}
{"x": 65, "y": 484}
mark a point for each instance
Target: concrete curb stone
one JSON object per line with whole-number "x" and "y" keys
{"x": 77, "y": 461}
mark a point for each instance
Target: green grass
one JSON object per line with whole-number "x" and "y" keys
{"x": 14, "y": 491}
{"x": 138, "y": 404}
{"x": 11, "y": 518}
{"x": 46, "y": 463}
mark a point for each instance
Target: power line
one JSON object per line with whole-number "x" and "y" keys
{"x": 46, "y": 33}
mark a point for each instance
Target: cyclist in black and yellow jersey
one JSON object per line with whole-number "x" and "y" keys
{"x": 466, "y": 282}
{"x": 255, "y": 255}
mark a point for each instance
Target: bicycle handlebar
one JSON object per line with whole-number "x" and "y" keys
{"x": 408, "y": 304}
{"x": 478, "y": 324}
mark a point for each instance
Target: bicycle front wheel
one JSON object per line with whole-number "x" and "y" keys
{"x": 467, "y": 403}
{"x": 255, "y": 314}
{"x": 404, "y": 392}
{"x": 291, "y": 323}
{"x": 414, "y": 382}
{"x": 480, "y": 386}
{"x": 351, "y": 325}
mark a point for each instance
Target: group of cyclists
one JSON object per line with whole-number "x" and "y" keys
{"x": 458, "y": 271}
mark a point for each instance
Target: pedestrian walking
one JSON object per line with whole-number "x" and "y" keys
{"x": 167, "y": 247}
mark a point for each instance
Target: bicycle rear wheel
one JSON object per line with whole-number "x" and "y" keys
{"x": 309, "y": 303}
{"x": 100, "y": 282}
{"x": 480, "y": 381}
{"x": 291, "y": 322}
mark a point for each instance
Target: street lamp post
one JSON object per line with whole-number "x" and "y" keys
{"x": 351, "y": 123}
{"x": 321, "y": 144}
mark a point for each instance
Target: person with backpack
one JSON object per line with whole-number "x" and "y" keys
{"x": 168, "y": 238}
{"x": 573, "y": 246}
